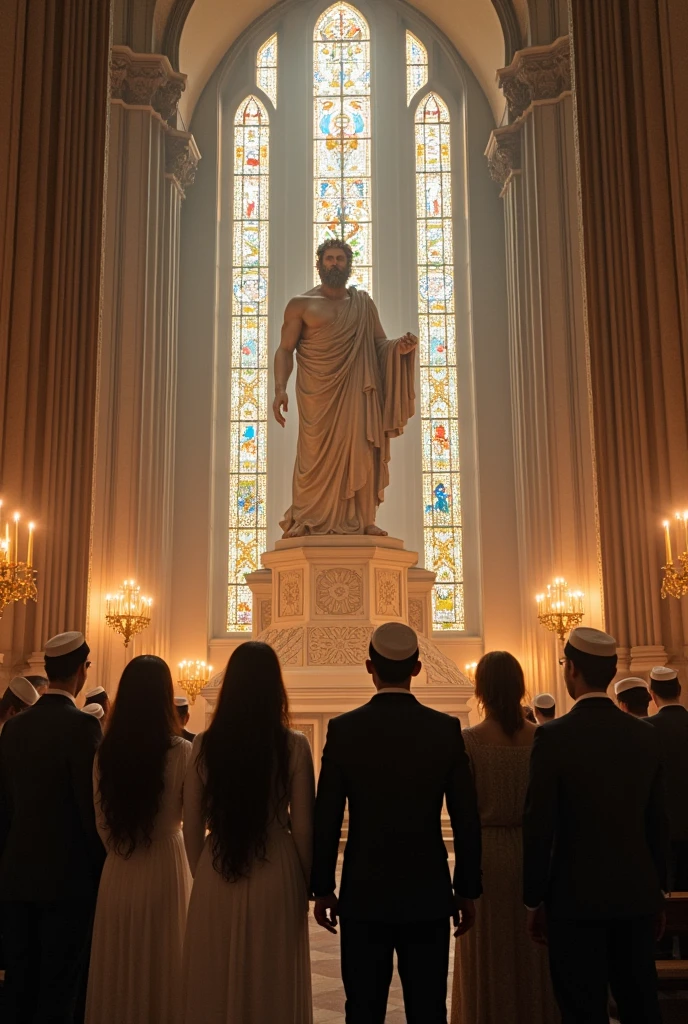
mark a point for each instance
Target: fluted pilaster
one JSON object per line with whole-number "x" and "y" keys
{"x": 151, "y": 164}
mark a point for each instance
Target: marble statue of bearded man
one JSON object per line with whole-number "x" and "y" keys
{"x": 354, "y": 391}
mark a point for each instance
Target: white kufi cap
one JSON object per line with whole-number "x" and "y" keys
{"x": 544, "y": 701}
{"x": 663, "y": 674}
{"x": 94, "y": 709}
{"x": 631, "y": 683}
{"x": 95, "y": 692}
{"x": 23, "y": 689}
{"x": 64, "y": 643}
{"x": 592, "y": 641}
{"x": 395, "y": 641}
{"x": 181, "y": 702}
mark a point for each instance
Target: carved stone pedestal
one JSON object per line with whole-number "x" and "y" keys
{"x": 317, "y": 602}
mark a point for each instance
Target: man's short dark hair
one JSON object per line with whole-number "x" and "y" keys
{"x": 636, "y": 698}
{"x": 335, "y": 243}
{"x": 183, "y": 712}
{"x": 547, "y": 712}
{"x": 37, "y": 680}
{"x": 10, "y": 700}
{"x": 389, "y": 671}
{"x": 596, "y": 671}
{"x": 65, "y": 666}
{"x": 666, "y": 689}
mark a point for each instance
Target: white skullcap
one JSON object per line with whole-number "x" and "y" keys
{"x": 663, "y": 674}
{"x": 94, "y": 709}
{"x": 592, "y": 641}
{"x": 543, "y": 701}
{"x": 23, "y": 689}
{"x": 64, "y": 643}
{"x": 181, "y": 702}
{"x": 395, "y": 641}
{"x": 632, "y": 683}
{"x": 95, "y": 692}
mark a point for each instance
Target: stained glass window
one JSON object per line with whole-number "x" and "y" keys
{"x": 416, "y": 66}
{"x": 249, "y": 362}
{"x": 439, "y": 395}
{"x": 266, "y": 68}
{"x": 341, "y": 91}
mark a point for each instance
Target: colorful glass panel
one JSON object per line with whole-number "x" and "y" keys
{"x": 249, "y": 357}
{"x": 342, "y": 133}
{"x": 416, "y": 66}
{"x": 266, "y": 69}
{"x": 439, "y": 391}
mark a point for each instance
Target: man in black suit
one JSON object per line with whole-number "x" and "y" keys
{"x": 594, "y": 844}
{"x": 671, "y": 723}
{"x": 50, "y": 852}
{"x": 182, "y": 708}
{"x": 395, "y": 761}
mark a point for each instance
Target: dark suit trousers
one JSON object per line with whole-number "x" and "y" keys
{"x": 422, "y": 950}
{"x": 678, "y": 882}
{"x": 587, "y": 957}
{"x": 47, "y": 948}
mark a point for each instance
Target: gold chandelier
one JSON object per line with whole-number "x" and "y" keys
{"x": 17, "y": 577}
{"x": 128, "y": 612}
{"x": 192, "y": 677}
{"x": 559, "y": 609}
{"x": 675, "y": 582}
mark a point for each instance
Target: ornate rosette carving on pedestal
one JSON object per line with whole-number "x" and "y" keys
{"x": 146, "y": 80}
{"x": 291, "y": 592}
{"x": 339, "y": 591}
{"x": 537, "y": 73}
{"x": 387, "y": 592}
{"x": 338, "y": 645}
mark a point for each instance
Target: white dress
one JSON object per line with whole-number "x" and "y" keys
{"x": 136, "y": 954}
{"x": 246, "y": 952}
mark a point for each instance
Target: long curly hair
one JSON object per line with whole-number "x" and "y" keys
{"x": 133, "y": 754}
{"x": 244, "y": 759}
{"x": 334, "y": 243}
{"x": 500, "y": 689}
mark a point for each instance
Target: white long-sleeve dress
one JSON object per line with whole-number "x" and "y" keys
{"x": 246, "y": 951}
{"x": 136, "y": 956}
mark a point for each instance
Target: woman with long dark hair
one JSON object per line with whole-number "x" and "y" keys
{"x": 251, "y": 785}
{"x": 500, "y": 975}
{"x": 138, "y": 776}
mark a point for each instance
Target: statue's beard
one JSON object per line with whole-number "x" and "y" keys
{"x": 334, "y": 277}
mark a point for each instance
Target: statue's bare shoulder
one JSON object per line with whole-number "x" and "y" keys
{"x": 314, "y": 310}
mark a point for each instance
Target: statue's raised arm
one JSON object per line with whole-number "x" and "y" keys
{"x": 354, "y": 391}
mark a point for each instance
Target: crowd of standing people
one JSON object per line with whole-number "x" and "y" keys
{"x": 150, "y": 876}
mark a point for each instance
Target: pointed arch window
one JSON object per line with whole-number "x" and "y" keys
{"x": 249, "y": 357}
{"x": 416, "y": 66}
{"x": 266, "y": 68}
{"x": 439, "y": 393}
{"x": 342, "y": 134}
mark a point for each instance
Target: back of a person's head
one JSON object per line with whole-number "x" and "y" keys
{"x": 636, "y": 699}
{"x": 245, "y": 758}
{"x": 10, "y": 703}
{"x": 597, "y": 672}
{"x": 666, "y": 689}
{"x": 392, "y": 672}
{"x": 64, "y": 667}
{"x": 133, "y": 754}
{"x": 500, "y": 689}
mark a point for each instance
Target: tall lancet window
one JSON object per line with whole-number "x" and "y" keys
{"x": 266, "y": 68}
{"x": 342, "y": 171}
{"x": 416, "y": 65}
{"x": 439, "y": 398}
{"x": 249, "y": 362}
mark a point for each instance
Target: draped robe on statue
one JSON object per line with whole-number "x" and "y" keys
{"x": 353, "y": 395}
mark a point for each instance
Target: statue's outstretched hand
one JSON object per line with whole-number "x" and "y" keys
{"x": 280, "y": 404}
{"x": 407, "y": 343}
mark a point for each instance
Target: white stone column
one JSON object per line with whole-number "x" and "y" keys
{"x": 150, "y": 165}
{"x": 533, "y": 158}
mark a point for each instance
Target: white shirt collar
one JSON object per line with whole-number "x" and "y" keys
{"x": 393, "y": 689}
{"x": 593, "y": 693}
{"x": 62, "y": 693}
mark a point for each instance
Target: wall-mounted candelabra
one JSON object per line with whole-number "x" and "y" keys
{"x": 559, "y": 609}
{"x": 192, "y": 677}
{"x": 128, "y": 612}
{"x": 675, "y": 581}
{"x": 17, "y": 576}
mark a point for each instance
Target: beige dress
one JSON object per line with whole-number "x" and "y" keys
{"x": 501, "y": 976}
{"x": 136, "y": 955}
{"x": 246, "y": 952}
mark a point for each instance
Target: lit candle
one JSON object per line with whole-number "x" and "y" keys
{"x": 16, "y": 537}
{"x": 667, "y": 542}
{"x": 29, "y": 553}
{"x": 685, "y": 526}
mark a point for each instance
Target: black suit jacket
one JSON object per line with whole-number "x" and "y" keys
{"x": 395, "y": 760}
{"x": 594, "y": 827}
{"x": 671, "y": 723}
{"x": 50, "y": 847}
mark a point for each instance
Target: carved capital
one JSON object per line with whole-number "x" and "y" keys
{"x": 537, "y": 73}
{"x": 146, "y": 80}
{"x": 504, "y": 152}
{"x": 181, "y": 158}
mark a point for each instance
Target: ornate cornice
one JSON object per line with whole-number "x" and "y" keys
{"x": 537, "y": 73}
{"x": 504, "y": 152}
{"x": 146, "y": 80}
{"x": 181, "y": 158}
